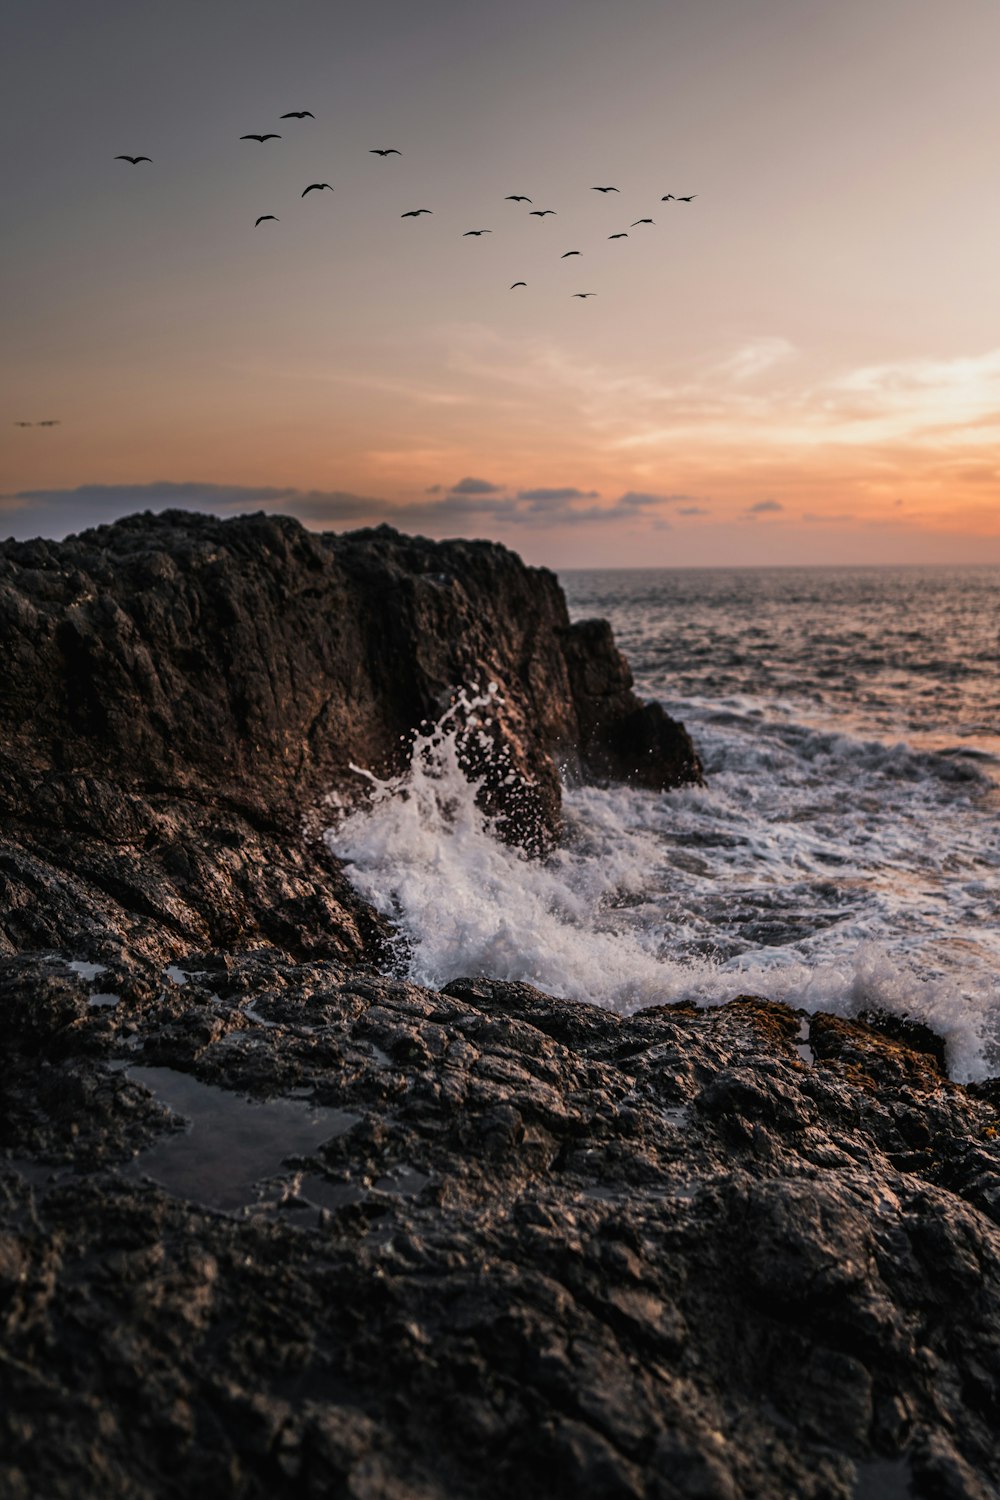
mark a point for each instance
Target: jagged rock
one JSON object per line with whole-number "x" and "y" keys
{"x": 522, "y": 1246}
{"x": 181, "y": 693}
{"x": 542, "y": 1249}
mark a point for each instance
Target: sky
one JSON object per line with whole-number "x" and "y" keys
{"x": 801, "y": 365}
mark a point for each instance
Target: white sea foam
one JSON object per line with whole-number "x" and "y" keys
{"x": 698, "y": 894}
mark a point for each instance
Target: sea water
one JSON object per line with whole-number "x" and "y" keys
{"x": 844, "y": 854}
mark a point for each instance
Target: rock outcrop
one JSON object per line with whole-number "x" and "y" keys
{"x": 179, "y": 694}
{"x": 275, "y": 1224}
{"x": 534, "y": 1248}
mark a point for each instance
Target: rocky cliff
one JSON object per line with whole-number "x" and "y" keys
{"x": 276, "y": 1224}
{"x": 180, "y": 693}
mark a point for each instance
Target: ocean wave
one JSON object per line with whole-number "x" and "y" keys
{"x": 695, "y": 895}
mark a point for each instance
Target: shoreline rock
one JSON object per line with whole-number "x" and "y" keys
{"x": 180, "y": 694}
{"x": 537, "y": 1248}
{"x": 530, "y": 1247}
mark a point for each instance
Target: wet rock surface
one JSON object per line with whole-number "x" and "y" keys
{"x": 530, "y": 1247}
{"x": 180, "y": 694}
{"x": 273, "y": 1223}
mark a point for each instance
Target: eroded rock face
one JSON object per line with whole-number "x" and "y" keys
{"x": 178, "y": 693}
{"x": 529, "y": 1248}
{"x": 545, "y": 1251}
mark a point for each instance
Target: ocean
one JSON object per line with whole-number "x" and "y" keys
{"x": 844, "y": 854}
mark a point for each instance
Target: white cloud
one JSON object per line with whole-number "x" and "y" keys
{"x": 754, "y": 358}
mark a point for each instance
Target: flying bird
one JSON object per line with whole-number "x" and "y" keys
{"x": 266, "y": 216}
{"x": 134, "y": 159}
{"x": 50, "y": 422}
{"x": 513, "y": 285}
{"x": 313, "y": 186}
{"x": 666, "y": 198}
{"x": 605, "y": 190}
{"x": 687, "y": 198}
{"x": 516, "y": 198}
{"x": 476, "y": 231}
{"x": 539, "y": 213}
{"x": 569, "y": 252}
{"x": 24, "y": 424}
{"x": 271, "y": 136}
{"x": 299, "y": 114}
{"x": 414, "y": 213}
{"x": 584, "y": 294}
{"x": 388, "y": 151}
{"x": 640, "y": 221}
{"x": 621, "y": 236}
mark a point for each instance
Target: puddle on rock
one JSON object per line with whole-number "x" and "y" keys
{"x": 103, "y": 1002}
{"x": 403, "y": 1182}
{"x": 85, "y": 970}
{"x": 802, "y": 1046}
{"x": 232, "y": 1143}
{"x": 316, "y": 1192}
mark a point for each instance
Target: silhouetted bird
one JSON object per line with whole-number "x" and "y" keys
{"x": 604, "y": 190}
{"x": 266, "y": 216}
{"x": 516, "y": 198}
{"x": 512, "y": 286}
{"x": 271, "y": 136}
{"x": 569, "y": 252}
{"x": 389, "y": 151}
{"x": 640, "y": 221}
{"x": 584, "y": 294}
{"x": 134, "y": 159}
{"x": 476, "y": 231}
{"x": 414, "y": 213}
{"x": 315, "y": 186}
{"x": 50, "y": 422}
{"x": 621, "y": 236}
{"x": 299, "y": 114}
{"x": 687, "y": 198}
{"x": 666, "y": 198}
{"x": 24, "y": 424}
{"x": 539, "y": 213}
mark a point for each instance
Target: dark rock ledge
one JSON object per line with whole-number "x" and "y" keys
{"x": 178, "y": 694}
{"x": 532, "y": 1248}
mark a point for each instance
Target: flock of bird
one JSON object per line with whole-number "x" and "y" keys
{"x": 51, "y": 422}
{"x": 416, "y": 213}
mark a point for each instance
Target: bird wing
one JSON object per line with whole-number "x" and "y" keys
{"x": 517, "y": 283}
{"x": 271, "y": 136}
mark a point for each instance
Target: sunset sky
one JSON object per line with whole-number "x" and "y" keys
{"x": 800, "y": 366}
